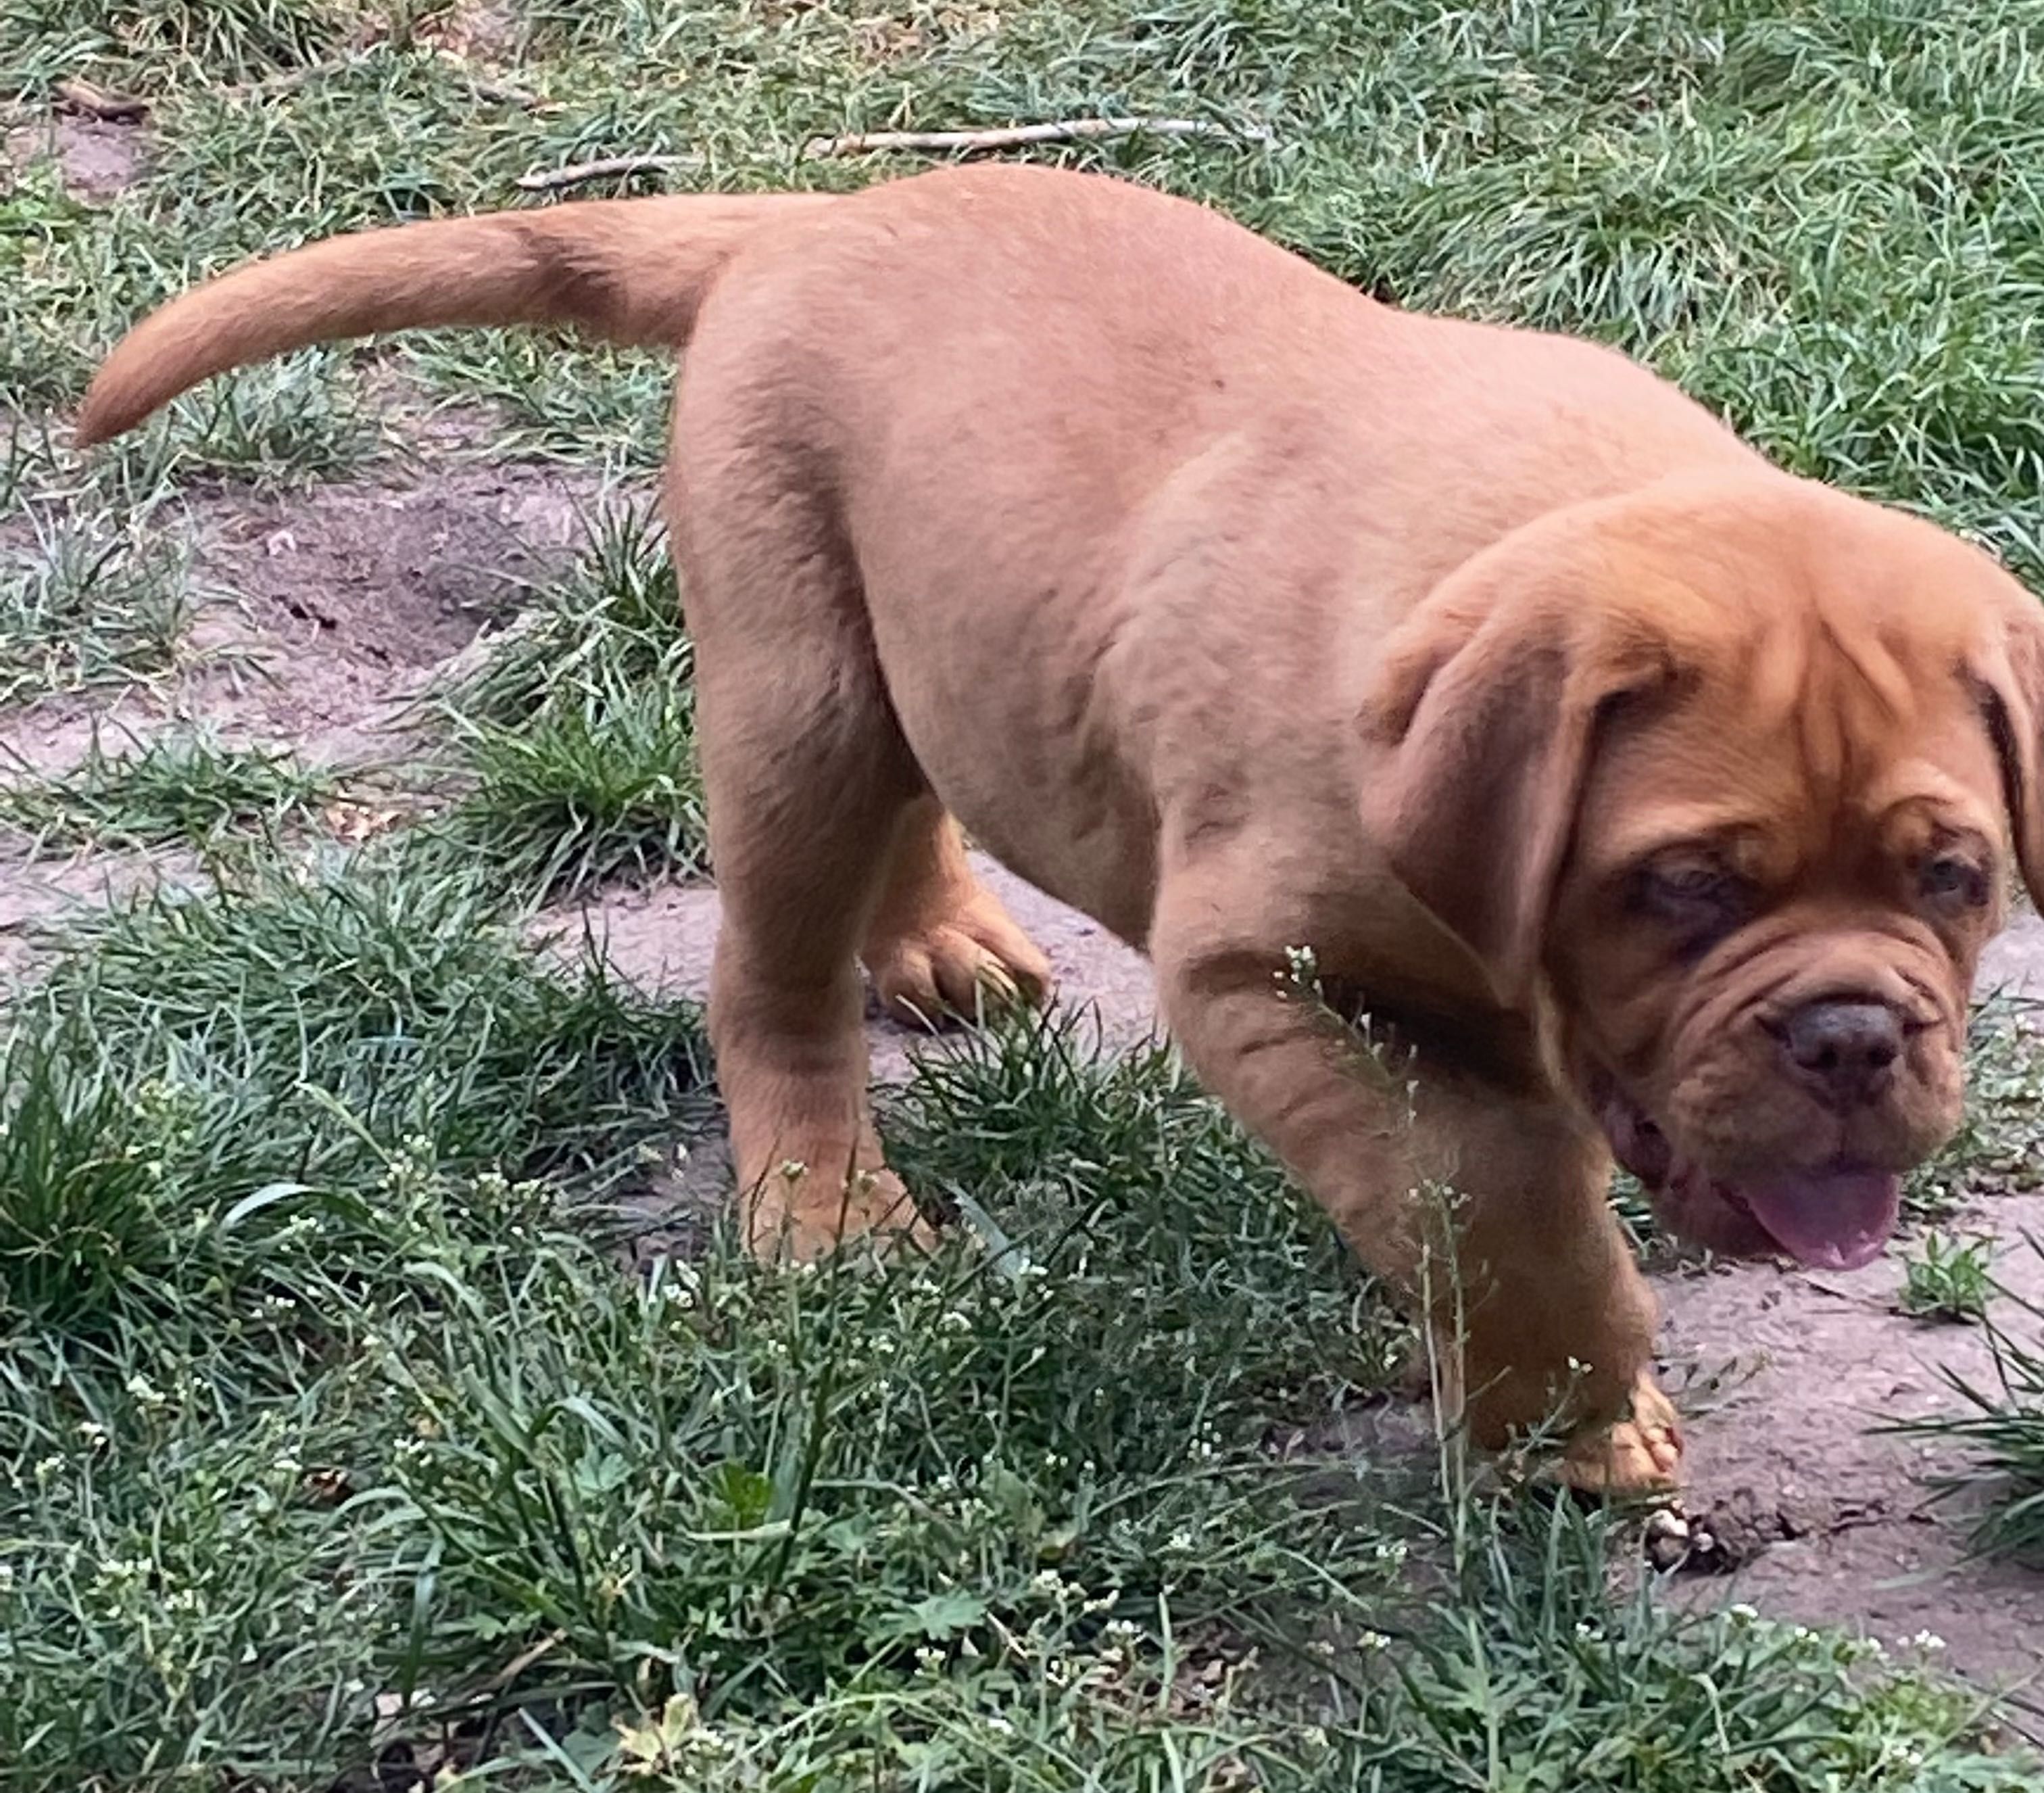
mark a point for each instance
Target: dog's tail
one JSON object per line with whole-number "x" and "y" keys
{"x": 629, "y": 271}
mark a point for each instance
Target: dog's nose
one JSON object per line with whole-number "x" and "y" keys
{"x": 1844, "y": 1051}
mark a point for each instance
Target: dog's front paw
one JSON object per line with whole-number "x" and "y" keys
{"x": 797, "y": 1217}
{"x": 1638, "y": 1456}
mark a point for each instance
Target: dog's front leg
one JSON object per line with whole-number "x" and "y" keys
{"x": 1538, "y": 1308}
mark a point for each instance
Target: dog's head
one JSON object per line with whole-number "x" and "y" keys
{"x": 1726, "y": 780}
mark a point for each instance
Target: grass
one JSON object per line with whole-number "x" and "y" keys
{"x": 1823, "y": 220}
{"x": 337, "y": 1443}
{"x": 186, "y": 789}
{"x": 336, "y": 1430}
{"x": 2002, "y": 1430}
{"x": 1948, "y": 1278}
{"x": 86, "y": 602}
{"x": 575, "y": 730}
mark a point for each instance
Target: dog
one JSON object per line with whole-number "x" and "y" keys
{"x": 1653, "y": 803}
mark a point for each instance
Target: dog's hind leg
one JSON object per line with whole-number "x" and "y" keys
{"x": 808, "y": 783}
{"x": 939, "y": 942}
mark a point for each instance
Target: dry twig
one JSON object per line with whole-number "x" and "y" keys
{"x": 868, "y": 143}
{"x": 1016, "y": 136}
{"x": 99, "y": 102}
{"x": 286, "y": 81}
{"x": 609, "y": 168}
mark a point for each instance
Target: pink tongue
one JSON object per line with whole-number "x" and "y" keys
{"x": 1839, "y": 1220}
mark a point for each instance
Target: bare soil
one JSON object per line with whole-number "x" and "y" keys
{"x": 343, "y": 599}
{"x": 96, "y": 158}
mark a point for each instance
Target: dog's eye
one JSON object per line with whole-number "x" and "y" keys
{"x": 1700, "y": 900}
{"x": 1951, "y": 880}
{"x": 1691, "y": 887}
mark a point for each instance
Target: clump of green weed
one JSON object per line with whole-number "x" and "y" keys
{"x": 577, "y": 726}
{"x": 2002, "y": 1428}
{"x": 186, "y": 789}
{"x": 87, "y": 601}
{"x": 1948, "y": 1279}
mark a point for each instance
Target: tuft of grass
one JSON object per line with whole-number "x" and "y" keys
{"x": 82, "y": 1160}
{"x": 584, "y": 797}
{"x": 86, "y": 602}
{"x": 321, "y": 1017}
{"x": 2002, "y": 1427}
{"x": 1949, "y": 1279}
{"x": 176, "y": 790}
{"x": 576, "y": 727}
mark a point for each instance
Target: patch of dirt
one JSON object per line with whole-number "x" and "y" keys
{"x": 1815, "y": 1515}
{"x": 96, "y": 158}
{"x": 347, "y": 594}
{"x": 335, "y": 608}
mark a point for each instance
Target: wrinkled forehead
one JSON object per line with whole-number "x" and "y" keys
{"x": 1817, "y": 742}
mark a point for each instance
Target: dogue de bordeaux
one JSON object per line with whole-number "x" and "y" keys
{"x": 1654, "y": 804}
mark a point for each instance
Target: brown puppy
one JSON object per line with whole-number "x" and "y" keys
{"x": 1657, "y": 803}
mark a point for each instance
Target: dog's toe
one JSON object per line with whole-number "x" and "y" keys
{"x": 1638, "y": 1456}
{"x": 798, "y": 1217}
{"x": 959, "y": 967}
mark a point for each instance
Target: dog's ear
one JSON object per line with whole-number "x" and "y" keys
{"x": 1486, "y": 708}
{"x": 2008, "y": 679}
